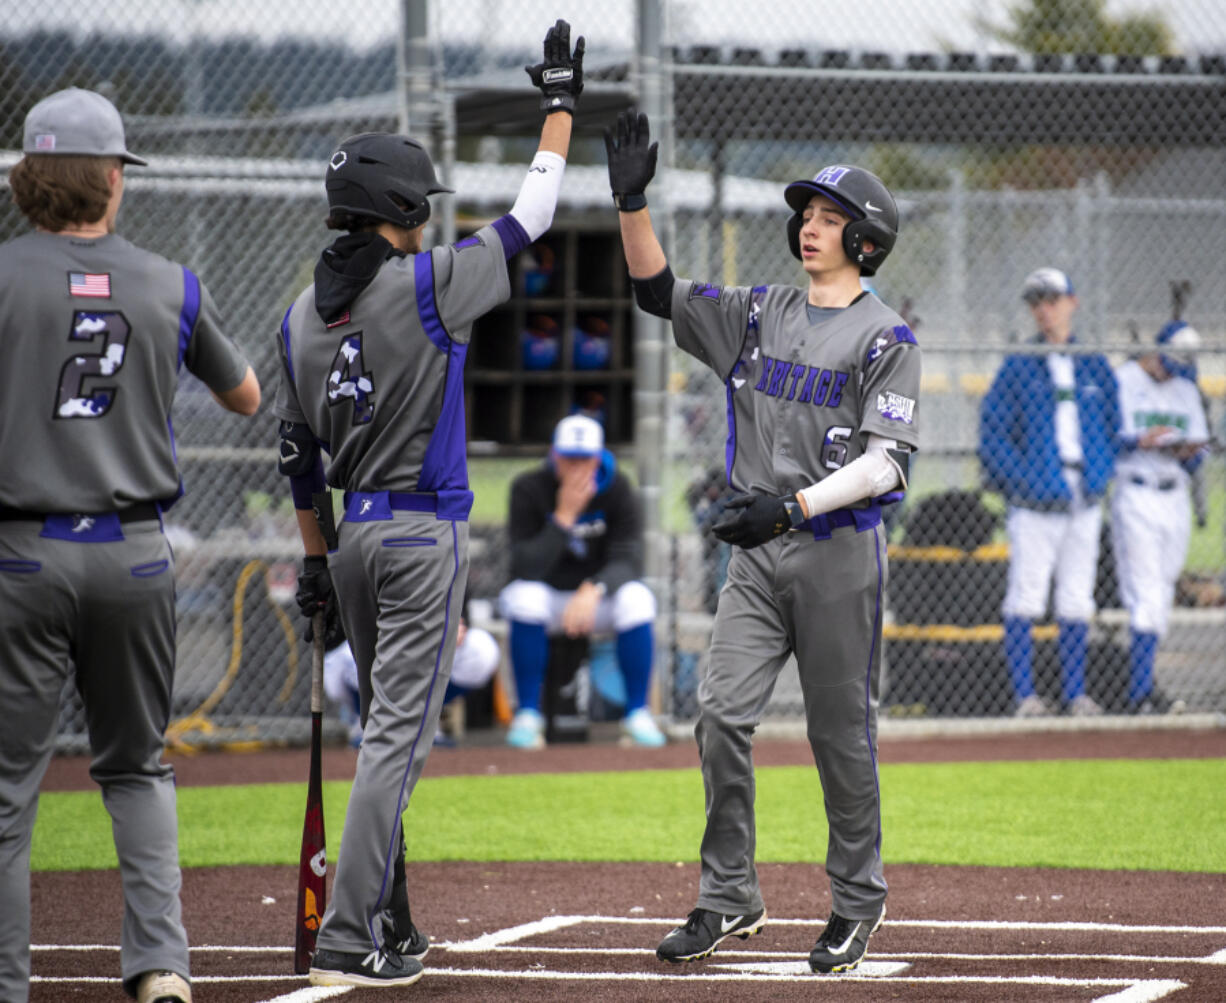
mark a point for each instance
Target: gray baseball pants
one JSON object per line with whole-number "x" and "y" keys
{"x": 107, "y": 610}
{"x": 401, "y": 588}
{"x": 822, "y": 600}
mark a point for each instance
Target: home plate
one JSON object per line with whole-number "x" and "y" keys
{"x": 871, "y": 969}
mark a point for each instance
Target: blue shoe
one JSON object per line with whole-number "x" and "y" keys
{"x": 640, "y": 728}
{"x": 527, "y": 730}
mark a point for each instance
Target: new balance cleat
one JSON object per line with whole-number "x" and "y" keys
{"x": 383, "y": 967}
{"x": 842, "y": 944}
{"x": 702, "y": 931}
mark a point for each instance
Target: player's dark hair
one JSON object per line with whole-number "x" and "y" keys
{"x": 58, "y": 191}
{"x": 342, "y": 219}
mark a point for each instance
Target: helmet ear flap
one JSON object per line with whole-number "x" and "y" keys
{"x": 854, "y": 236}
{"x": 795, "y": 222}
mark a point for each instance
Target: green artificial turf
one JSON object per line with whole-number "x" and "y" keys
{"x": 1129, "y": 814}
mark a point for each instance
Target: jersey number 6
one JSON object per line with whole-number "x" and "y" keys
{"x": 834, "y": 446}
{"x": 73, "y": 401}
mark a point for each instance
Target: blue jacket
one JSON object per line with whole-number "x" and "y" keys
{"x": 1017, "y": 431}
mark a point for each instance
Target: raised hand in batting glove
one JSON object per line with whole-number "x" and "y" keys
{"x": 632, "y": 160}
{"x": 316, "y": 595}
{"x": 560, "y": 75}
{"x": 753, "y": 519}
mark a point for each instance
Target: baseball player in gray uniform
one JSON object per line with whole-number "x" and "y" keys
{"x": 372, "y": 371}
{"x": 95, "y": 332}
{"x": 822, "y": 389}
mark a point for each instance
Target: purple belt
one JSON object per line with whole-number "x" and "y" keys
{"x": 824, "y": 525}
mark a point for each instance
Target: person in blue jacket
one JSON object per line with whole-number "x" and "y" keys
{"x": 1048, "y": 430}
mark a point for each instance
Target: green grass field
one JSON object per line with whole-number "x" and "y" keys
{"x": 1129, "y": 814}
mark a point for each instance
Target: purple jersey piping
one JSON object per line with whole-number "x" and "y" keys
{"x": 189, "y": 313}
{"x": 445, "y": 465}
{"x": 753, "y": 338}
{"x": 289, "y": 358}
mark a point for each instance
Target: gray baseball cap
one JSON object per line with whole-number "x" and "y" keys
{"x": 79, "y": 122}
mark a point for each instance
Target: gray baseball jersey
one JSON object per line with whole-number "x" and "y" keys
{"x": 803, "y": 396}
{"x": 380, "y": 384}
{"x": 374, "y": 385}
{"x": 95, "y": 332}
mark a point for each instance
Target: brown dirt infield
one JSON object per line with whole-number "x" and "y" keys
{"x": 953, "y": 933}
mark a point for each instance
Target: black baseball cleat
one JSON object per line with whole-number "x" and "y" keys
{"x": 404, "y": 937}
{"x": 383, "y": 967}
{"x": 698, "y": 936}
{"x": 842, "y": 944}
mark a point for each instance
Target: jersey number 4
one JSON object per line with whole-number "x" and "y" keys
{"x": 348, "y": 381}
{"x": 73, "y": 399}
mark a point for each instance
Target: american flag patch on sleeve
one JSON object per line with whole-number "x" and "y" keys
{"x": 89, "y": 284}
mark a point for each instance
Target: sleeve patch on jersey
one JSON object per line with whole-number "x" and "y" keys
{"x": 705, "y": 291}
{"x": 896, "y": 407}
{"x": 473, "y": 241}
{"x": 89, "y": 284}
{"x": 898, "y": 335}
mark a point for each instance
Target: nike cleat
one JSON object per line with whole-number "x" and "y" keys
{"x": 702, "y": 931}
{"x": 842, "y": 944}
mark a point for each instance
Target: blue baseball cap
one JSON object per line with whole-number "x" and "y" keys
{"x": 1178, "y": 342}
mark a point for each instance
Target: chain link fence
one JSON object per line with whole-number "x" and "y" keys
{"x": 1085, "y": 136}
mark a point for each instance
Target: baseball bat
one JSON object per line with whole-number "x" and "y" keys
{"x": 313, "y": 858}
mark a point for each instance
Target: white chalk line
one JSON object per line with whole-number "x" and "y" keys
{"x": 770, "y": 966}
{"x": 552, "y": 923}
{"x": 1219, "y": 958}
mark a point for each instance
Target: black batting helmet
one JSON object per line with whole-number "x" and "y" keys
{"x": 863, "y": 196}
{"x": 382, "y": 175}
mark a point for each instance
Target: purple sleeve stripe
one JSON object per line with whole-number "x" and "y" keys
{"x": 305, "y": 485}
{"x": 189, "y": 313}
{"x": 289, "y": 358}
{"x": 514, "y": 237}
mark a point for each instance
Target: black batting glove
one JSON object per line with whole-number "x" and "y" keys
{"x": 560, "y": 75}
{"x": 632, "y": 160}
{"x": 753, "y": 519}
{"x": 316, "y": 595}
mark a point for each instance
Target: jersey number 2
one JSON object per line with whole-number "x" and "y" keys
{"x": 347, "y": 380}
{"x": 73, "y": 400}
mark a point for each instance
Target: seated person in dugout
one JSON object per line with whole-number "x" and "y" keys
{"x": 576, "y": 531}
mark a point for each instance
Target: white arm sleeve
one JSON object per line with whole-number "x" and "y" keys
{"x": 533, "y": 209}
{"x": 868, "y": 475}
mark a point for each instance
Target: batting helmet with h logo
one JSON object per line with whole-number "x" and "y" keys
{"x": 860, "y": 194}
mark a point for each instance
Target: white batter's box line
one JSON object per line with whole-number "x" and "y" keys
{"x": 548, "y": 924}
{"x": 1132, "y": 990}
{"x": 1071, "y": 926}
{"x": 1218, "y": 958}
